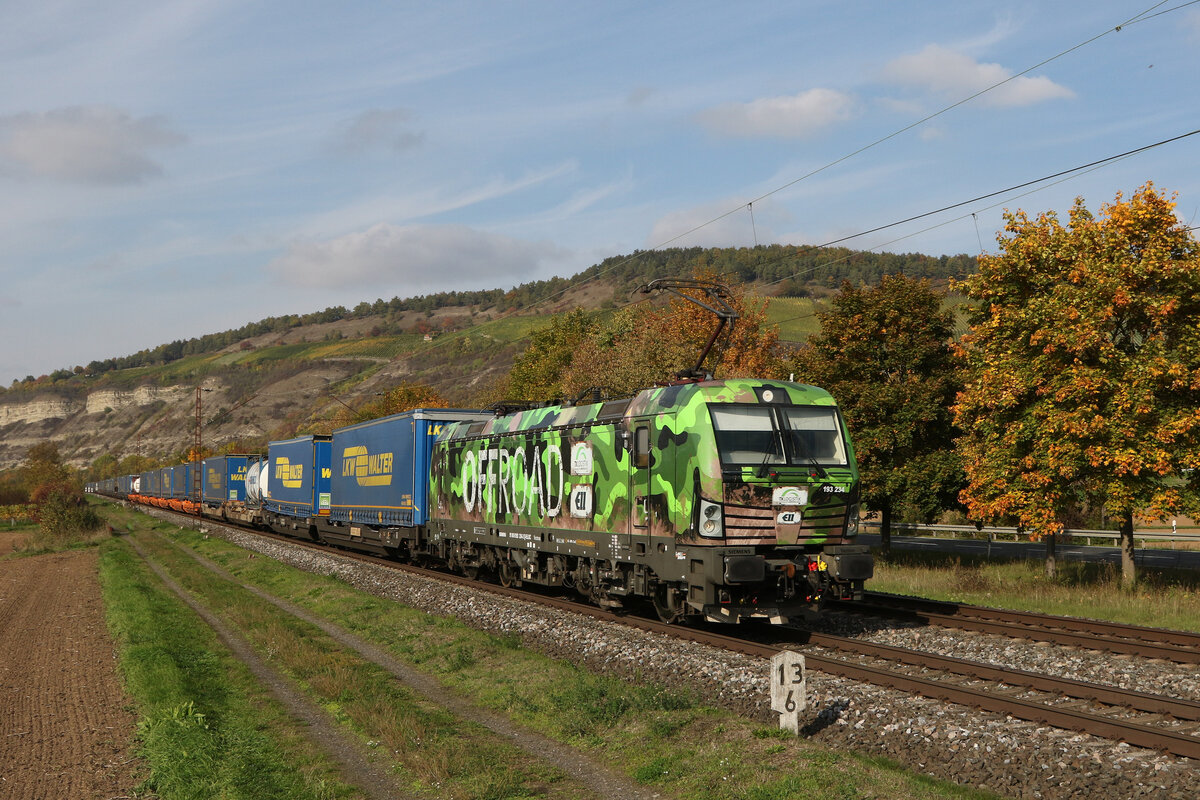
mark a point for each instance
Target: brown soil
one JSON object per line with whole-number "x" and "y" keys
{"x": 10, "y": 541}
{"x": 65, "y": 729}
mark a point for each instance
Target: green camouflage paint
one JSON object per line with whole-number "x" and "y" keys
{"x": 571, "y": 468}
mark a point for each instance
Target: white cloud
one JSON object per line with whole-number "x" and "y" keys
{"x": 378, "y": 129}
{"x": 83, "y": 144}
{"x": 1191, "y": 24}
{"x": 415, "y": 259}
{"x": 795, "y": 116}
{"x": 951, "y": 73}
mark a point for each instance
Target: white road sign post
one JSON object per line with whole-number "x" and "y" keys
{"x": 788, "y": 689}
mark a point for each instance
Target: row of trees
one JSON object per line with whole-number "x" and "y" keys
{"x": 794, "y": 270}
{"x": 52, "y": 494}
{"x": 1077, "y": 388}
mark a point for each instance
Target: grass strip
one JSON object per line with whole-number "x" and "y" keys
{"x": 435, "y": 752}
{"x": 346, "y": 751}
{"x": 597, "y": 779}
{"x": 662, "y": 738}
{"x": 1163, "y": 598}
{"x": 206, "y": 728}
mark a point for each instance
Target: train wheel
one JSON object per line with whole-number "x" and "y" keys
{"x": 663, "y": 597}
{"x": 507, "y": 574}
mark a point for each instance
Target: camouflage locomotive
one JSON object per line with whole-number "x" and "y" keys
{"x": 722, "y": 500}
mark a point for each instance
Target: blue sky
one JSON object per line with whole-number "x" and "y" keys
{"x": 171, "y": 169}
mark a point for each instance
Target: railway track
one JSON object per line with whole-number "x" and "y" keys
{"x": 1151, "y": 721}
{"x": 1181, "y": 647}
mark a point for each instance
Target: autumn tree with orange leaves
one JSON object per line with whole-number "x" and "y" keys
{"x": 645, "y": 343}
{"x": 1083, "y": 369}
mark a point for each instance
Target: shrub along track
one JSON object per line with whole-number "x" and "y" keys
{"x": 65, "y": 730}
{"x": 594, "y": 779}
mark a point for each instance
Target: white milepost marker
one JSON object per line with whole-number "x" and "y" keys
{"x": 788, "y": 689}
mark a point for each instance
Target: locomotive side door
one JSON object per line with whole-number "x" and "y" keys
{"x": 639, "y": 487}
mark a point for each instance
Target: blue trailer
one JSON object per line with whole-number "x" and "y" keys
{"x": 298, "y": 478}
{"x": 181, "y": 482}
{"x": 163, "y": 484}
{"x": 225, "y": 479}
{"x": 381, "y": 467}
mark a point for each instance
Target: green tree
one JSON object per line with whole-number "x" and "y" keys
{"x": 537, "y": 374}
{"x": 1084, "y": 369}
{"x": 57, "y": 496}
{"x": 884, "y": 354}
{"x": 43, "y": 465}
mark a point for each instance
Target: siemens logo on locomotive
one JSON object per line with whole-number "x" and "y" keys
{"x": 368, "y": 469}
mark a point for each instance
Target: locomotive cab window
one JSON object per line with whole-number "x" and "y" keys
{"x": 765, "y": 435}
{"x": 814, "y": 434}
{"x": 747, "y": 435}
{"x": 641, "y": 447}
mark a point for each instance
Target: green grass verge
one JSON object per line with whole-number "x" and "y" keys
{"x": 662, "y": 738}
{"x": 434, "y": 752}
{"x": 1162, "y": 598}
{"x": 206, "y": 729}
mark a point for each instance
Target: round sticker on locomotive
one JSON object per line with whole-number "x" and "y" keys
{"x": 788, "y": 518}
{"x": 789, "y": 496}
{"x": 581, "y": 458}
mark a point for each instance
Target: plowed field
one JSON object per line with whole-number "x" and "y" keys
{"x": 64, "y": 729}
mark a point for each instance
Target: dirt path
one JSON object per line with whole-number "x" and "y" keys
{"x": 64, "y": 727}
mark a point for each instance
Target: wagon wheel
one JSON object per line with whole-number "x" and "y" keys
{"x": 507, "y": 574}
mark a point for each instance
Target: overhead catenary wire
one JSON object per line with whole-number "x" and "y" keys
{"x": 1052, "y": 179}
{"x": 1062, "y": 177}
{"x": 1149, "y": 13}
{"x": 1142, "y": 16}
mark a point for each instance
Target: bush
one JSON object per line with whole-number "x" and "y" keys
{"x": 63, "y": 513}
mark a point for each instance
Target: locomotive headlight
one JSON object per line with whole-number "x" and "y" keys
{"x": 852, "y": 521}
{"x": 710, "y": 519}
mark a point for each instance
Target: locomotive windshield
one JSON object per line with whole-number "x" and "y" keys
{"x": 764, "y": 435}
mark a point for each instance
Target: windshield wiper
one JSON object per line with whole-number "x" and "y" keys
{"x": 801, "y": 452}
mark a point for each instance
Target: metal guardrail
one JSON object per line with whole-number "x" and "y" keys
{"x": 1068, "y": 536}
